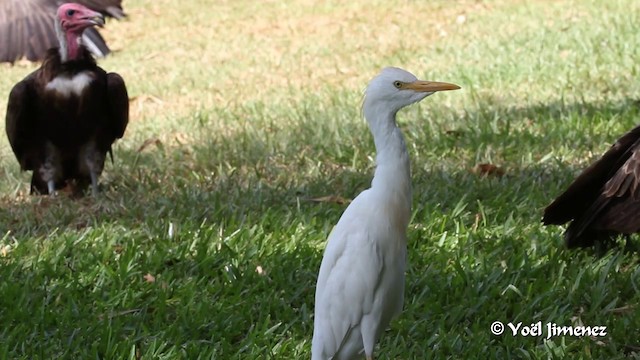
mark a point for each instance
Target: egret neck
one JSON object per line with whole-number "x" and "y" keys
{"x": 392, "y": 177}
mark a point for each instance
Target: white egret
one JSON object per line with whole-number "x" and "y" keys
{"x": 361, "y": 280}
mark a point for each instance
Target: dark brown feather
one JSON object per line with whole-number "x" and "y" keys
{"x": 602, "y": 201}
{"x": 112, "y": 8}
{"x": 118, "y": 104}
{"x": 80, "y": 129}
{"x": 19, "y": 121}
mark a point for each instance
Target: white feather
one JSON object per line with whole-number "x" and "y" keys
{"x": 360, "y": 284}
{"x": 66, "y": 86}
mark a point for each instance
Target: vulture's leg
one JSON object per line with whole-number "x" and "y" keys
{"x": 51, "y": 169}
{"x": 94, "y": 183}
{"x": 94, "y": 163}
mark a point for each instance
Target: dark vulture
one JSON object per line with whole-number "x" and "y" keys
{"x": 27, "y": 27}
{"x": 604, "y": 200}
{"x": 63, "y": 118}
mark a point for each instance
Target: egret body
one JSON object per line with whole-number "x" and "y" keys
{"x": 360, "y": 285}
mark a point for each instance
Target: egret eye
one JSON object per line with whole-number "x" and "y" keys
{"x": 70, "y": 12}
{"x": 397, "y": 84}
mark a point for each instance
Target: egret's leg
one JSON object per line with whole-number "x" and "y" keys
{"x": 370, "y": 357}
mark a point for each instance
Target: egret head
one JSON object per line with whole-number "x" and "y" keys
{"x": 395, "y": 88}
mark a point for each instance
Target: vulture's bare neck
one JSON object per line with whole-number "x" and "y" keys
{"x": 69, "y": 43}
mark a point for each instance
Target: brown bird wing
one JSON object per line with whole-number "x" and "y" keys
{"x": 588, "y": 186}
{"x": 605, "y": 198}
{"x": 20, "y": 121}
{"x": 111, "y": 8}
{"x": 617, "y": 208}
{"x": 118, "y": 104}
{"x": 27, "y": 27}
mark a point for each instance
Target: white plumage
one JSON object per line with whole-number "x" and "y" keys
{"x": 361, "y": 280}
{"x": 67, "y": 86}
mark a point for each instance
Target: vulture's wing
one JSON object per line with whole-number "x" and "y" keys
{"x": 118, "y": 104}
{"x": 27, "y": 27}
{"x": 604, "y": 199}
{"x": 20, "y": 121}
{"x": 111, "y": 8}
{"x": 616, "y": 209}
{"x": 589, "y": 185}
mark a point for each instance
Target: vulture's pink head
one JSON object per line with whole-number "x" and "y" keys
{"x": 74, "y": 18}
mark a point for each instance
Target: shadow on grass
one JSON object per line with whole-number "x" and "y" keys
{"x": 183, "y": 182}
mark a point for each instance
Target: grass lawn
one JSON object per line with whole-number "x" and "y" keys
{"x": 205, "y": 242}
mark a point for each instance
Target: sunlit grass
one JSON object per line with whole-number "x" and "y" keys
{"x": 205, "y": 242}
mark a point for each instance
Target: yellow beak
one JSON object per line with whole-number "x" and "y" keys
{"x": 430, "y": 86}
